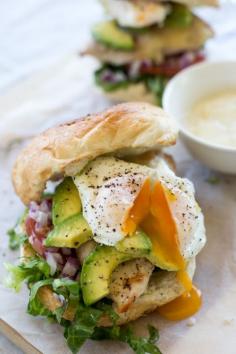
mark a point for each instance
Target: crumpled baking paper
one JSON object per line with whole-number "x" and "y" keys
{"x": 66, "y": 91}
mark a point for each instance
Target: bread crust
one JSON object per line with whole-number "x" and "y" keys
{"x": 163, "y": 287}
{"x": 124, "y": 129}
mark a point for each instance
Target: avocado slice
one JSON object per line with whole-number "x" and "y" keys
{"x": 70, "y": 233}
{"x": 97, "y": 270}
{"x": 100, "y": 263}
{"x": 66, "y": 201}
{"x": 109, "y": 34}
{"x": 138, "y": 244}
{"x": 180, "y": 16}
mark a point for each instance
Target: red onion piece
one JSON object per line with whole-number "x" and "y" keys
{"x": 29, "y": 226}
{"x": 51, "y": 262}
{"x": 71, "y": 267}
{"x": 53, "y": 249}
{"x": 66, "y": 251}
{"x": 58, "y": 258}
{"x": 37, "y": 244}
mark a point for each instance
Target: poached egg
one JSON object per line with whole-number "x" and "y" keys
{"x": 119, "y": 196}
{"x": 138, "y": 14}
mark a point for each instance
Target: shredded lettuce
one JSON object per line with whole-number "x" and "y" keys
{"x": 15, "y": 239}
{"x": 108, "y": 310}
{"x": 69, "y": 290}
{"x": 117, "y": 84}
{"x": 35, "y": 307}
{"x": 36, "y": 272}
{"x": 82, "y": 327}
{"x": 154, "y": 83}
{"x": 16, "y": 234}
{"x": 33, "y": 270}
{"x": 140, "y": 345}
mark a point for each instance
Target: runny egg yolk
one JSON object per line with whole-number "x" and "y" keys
{"x": 152, "y": 212}
{"x": 184, "y": 306}
{"x": 139, "y": 210}
{"x": 185, "y": 280}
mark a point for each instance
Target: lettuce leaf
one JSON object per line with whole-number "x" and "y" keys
{"x": 35, "y": 307}
{"x": 156, "y": 84}
{"x": 140, "y": 345}
{"x": 85, "y": 324}
{"x": 67, "y": 288}
{"x": 82, "y": 328}
{"x": 70, "y": 291}
{"x": 116, "y": 71}
{"x": 34, "y": 270}
{"x": 16, "y": 234}
{"x": 15, "y": 239}
{"x": 108, "y": 310}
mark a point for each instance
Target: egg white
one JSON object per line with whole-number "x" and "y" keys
{"x": 108, "y": 188}
{"x": 139, "y": 14}
{"x": 186, "y": 211}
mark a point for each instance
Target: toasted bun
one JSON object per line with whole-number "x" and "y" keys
{"x": 125, "y": 129}
{"x": 163, "y": 287}
{"x": 133, "y": 92}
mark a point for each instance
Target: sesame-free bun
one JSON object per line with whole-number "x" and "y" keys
{"x": 125, "y": 129}
{"x": 163, "y": 287}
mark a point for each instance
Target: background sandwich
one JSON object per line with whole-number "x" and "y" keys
{"x": 119, "y": 235}
{"x": 143, "y": 43}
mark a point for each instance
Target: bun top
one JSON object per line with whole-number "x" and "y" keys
{"x": 125, "y": 129}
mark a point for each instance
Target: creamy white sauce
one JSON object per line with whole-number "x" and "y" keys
{"x": 214, "y": 119}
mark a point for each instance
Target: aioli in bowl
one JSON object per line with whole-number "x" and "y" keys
{"x": 213, "y": 119}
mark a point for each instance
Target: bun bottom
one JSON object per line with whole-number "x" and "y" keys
{"x": 133, "y": 92}
{"x": 163, "y": 287}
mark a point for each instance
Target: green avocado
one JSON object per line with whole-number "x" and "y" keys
{"x": 66, "y": 201}
{"x": 138, "y": 244}
{"x": 71, "y": 233}
{"x": 111, "y": 35}
{"x": 180, "y": 16}
{"x": 96, "y": 272}
{"x": 99, "y": 265}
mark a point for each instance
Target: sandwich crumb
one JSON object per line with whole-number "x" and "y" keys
{"x": 191, "y": 321}
{"x": 228, "y": 321}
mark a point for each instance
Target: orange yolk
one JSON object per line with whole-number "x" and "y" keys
{"x": 185, "y": 280}
{"x": 139, "y": 210}
{"x": 184, "y": 306}
{"x": 152, "y": 212}
{"x": 160, "y": 226}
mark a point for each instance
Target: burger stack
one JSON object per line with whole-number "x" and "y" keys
{"x": 143, "y": 43}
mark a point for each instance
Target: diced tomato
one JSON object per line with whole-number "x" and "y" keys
{"x": 173, "y": 65}
{"x": 30, "y": 226}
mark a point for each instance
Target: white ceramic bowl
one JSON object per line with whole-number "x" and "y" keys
{"x": 188, "y": 87}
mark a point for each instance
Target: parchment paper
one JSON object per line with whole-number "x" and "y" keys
{"x": 65, "y": 91}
